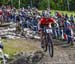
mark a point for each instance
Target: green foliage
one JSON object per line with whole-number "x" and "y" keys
{"x": 43, "y": 4}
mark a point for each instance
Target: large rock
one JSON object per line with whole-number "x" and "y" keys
{"x": 28, "y": 58}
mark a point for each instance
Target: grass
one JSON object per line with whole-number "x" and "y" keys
{"x": 65, "y": 12}
{"x": 12, "y": 47}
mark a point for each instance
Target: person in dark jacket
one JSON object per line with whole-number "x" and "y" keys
{"x": 1, "y": 45}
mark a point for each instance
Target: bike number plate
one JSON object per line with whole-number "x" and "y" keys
{"x": 49, "y": 30}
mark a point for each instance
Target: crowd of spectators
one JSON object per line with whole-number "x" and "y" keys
{"x": 63, "y": 29}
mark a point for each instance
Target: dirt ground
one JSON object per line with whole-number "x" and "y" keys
{"x": 62, "y": 54}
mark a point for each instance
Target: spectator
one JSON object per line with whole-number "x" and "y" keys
{"x": 66, "y": 17}
{"x": 1, "y": 15}
{"x": 1, "y": 45}
{"x": 72, "y": 19}
{"x": 68, "y": 30}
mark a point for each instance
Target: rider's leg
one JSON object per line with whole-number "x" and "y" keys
{"x": 42, "y": 35}
{"x": 42, "y": 43}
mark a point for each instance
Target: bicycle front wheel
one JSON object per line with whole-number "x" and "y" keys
{"x": 50, "y": 46}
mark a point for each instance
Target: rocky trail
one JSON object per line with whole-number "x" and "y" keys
{"x": 62, "y": 55}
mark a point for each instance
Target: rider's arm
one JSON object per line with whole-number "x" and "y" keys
{"x": 39, "y": 25}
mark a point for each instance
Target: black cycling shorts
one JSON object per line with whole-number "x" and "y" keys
{"x": 43, "y": 25}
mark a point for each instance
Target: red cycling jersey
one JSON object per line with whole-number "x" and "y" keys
{"x": 46, "y": 21}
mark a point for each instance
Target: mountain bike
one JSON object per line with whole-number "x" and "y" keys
{"x": 47, "y": 41}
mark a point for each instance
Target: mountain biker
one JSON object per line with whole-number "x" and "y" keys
{"x": 44, "y": 22}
